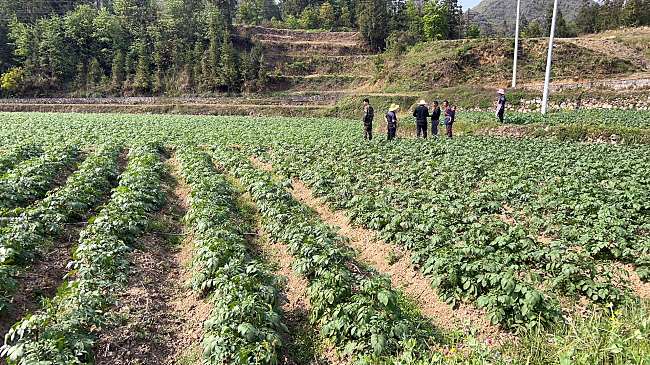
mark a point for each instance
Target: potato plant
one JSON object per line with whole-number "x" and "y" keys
{"x": 21, "y": 240}
{"x": 32, "y": 179}
{"x": 358, "y": 311}
{"x": 506, "y": 224}
{"x": 244, "y": 326}
{"x": 64, "y": 330}
{"x": 16, "y": 154}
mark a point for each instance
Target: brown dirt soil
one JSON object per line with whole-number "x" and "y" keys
{"x": 41, "y": 281}
{"x": 640, "y": 288}
{"x": 349, "y": 39}
{"x": 162, "y": 320}
{"x": 297, "y": 307}
{"x": 611, "y": 48}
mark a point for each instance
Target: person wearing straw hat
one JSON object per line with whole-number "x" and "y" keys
{"x": 421, "y": 113}
{"x": 391, "y": 121}
{"x": 501, "y": 104}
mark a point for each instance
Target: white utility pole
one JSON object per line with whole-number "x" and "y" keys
{"x": 514, "y": 65}
{"x": 548, "y": 60}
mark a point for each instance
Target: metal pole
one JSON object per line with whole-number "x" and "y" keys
{"x": 548, "y": 60}
{"x": 514, "y": 65}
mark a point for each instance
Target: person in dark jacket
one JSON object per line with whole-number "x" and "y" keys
{"x": 391, "y": 121}
{"x": 501, "y": 104}
{"x": 368, "y": 116}
{"x": 450, "y": 116}
{"x": 421, "y": 113}
{"x": 435, "y": 118}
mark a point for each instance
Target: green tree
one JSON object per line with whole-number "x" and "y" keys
{"x": 414, "y": 19}
{"x": 587, "y": 19}
{"x": 453, "y": 17}
{"x": 562, "y": 28}
{"x": 142, "y": 80}
{"x": 246, "y": 14}
{"x": 108, "y": 37}
{"x": 373, "y": 23}
{"x": 12, "y": 82}
{"x": 345, "y": 19}
{"x": 474, "y": 31}
{"x": 95, "y": 72}
{"x": 533, "y": 30}
{"x": 230, "y": 77}
{"x": 6, "y": 50}
{"x": 118, "y": 75}
{"x": 79, "y": 28}
{"x": 610, "y": 14}
{"x": 435, "y": 21}
{"x": 309, "y": 18}
{"x": 292, "y": 22}
{"x": 326, "y": 15}
{"x": 633, "y": 13}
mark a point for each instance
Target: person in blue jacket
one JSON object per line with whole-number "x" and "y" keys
{"x": 391, "y": 121}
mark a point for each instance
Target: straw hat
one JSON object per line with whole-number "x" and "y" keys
{"x": 393, "y": 107}
{"x": 422, "y": 102}
{"x": 501, "y": 91}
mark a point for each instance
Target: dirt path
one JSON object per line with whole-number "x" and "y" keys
{"x": 160, "y": 321}
{"x": 40, "y": 281}
{"x": 299, "y": 341}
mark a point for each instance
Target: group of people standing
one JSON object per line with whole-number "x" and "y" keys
{"x": 421, "y": 114}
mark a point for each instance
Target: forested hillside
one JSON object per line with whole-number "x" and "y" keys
{"x": 207, "y": 48}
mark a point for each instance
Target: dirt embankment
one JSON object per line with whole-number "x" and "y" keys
{"x": 611, "y": 48}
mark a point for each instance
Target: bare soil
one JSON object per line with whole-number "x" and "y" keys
{"x": 640, "y": 288}
{"x": 340, "y": 39}
{"x": 159, "y": 321}
{"x": 611, "y": 48}
{"x": 41, "y": 280}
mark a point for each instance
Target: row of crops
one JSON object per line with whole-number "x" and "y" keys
{"x": 510, "y": 225}
{"x": 358, "y": 310}
{"x": 520, "y": 228}
{"x": 585, "y": 117}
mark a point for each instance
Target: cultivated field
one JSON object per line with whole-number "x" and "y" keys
{"x": 162, "y": 239}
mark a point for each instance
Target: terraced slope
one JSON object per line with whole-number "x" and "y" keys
{"x": 304, "y": 60}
